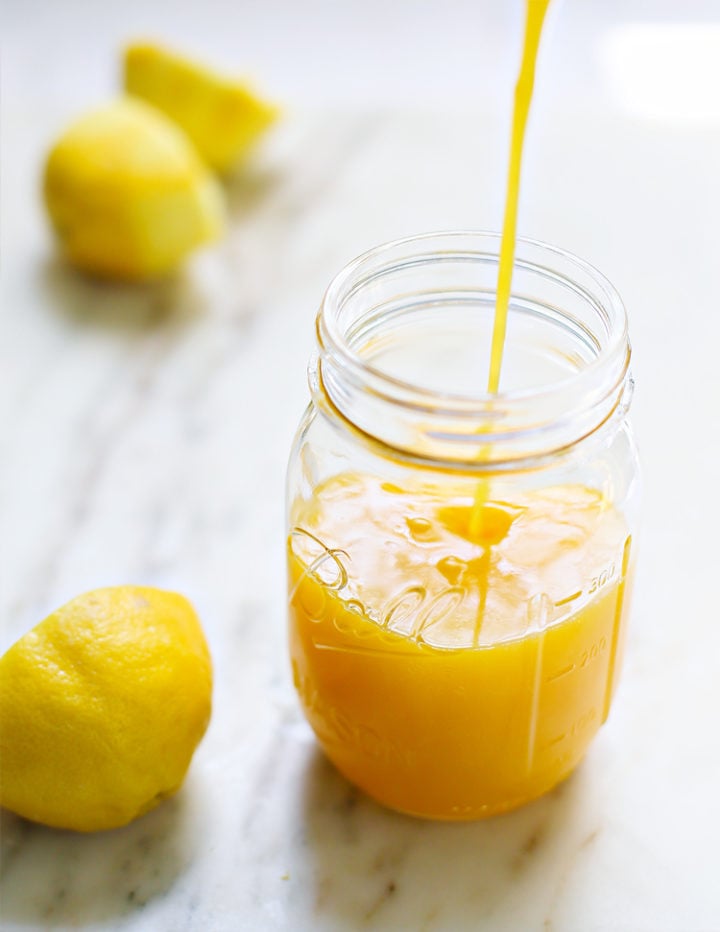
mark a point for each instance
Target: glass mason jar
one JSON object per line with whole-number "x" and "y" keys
{"x": 459, "y": 562}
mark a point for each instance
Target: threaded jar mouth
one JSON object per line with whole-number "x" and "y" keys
{"x": 404, "y": 339}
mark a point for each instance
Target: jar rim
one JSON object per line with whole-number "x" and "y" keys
{"x": 331, "y": 337}
{"x": 439, "y": 425}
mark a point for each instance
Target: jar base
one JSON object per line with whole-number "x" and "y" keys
{"x": 465, "y": 813}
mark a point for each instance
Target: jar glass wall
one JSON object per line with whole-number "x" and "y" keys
{"x": 459, "y": 563}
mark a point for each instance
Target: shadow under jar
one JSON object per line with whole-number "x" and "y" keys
{"x": 459, "y": 563}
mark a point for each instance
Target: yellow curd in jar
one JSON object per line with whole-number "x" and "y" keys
{"x": 448, "y": 674}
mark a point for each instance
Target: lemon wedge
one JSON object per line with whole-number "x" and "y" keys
{"x": 223, "y": 118}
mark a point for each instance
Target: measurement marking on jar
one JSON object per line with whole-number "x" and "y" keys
{"x": 557, "y": 740}
{"x": 561, "y": 673}
{"x": 586, "y": 657}
{"x": 602, "y": 579}
{"x": 593, "y": 651}
{"x": 576, "y": 729}
{"x": 540, "y": 605}
{"x": 568, "y": 599}
{"x": 617, "y": 621}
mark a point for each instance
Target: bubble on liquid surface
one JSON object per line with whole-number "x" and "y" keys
{"x": 421, "y": 529}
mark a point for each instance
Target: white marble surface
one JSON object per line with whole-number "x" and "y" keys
{"x": 144, "y": 437}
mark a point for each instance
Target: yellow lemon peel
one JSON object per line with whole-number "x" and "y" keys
{"x": 223, "y": 118}
{"x": 102, "y": 705}
{"x": 127, "y": 194}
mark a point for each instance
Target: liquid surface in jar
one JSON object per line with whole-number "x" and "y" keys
{"x": 453, "y": 674}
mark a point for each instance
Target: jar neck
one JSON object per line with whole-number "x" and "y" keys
{"x": 403, "y": 351}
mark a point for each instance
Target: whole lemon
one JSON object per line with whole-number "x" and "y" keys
{"x": 128, "y": 195}
{"x": 102, "y": 705}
